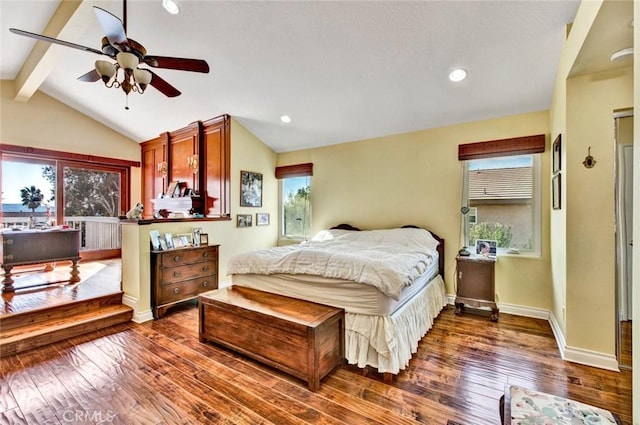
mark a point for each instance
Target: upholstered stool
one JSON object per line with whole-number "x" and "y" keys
{"x": 522, "y": 406}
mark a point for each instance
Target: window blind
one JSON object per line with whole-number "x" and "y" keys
{"x": 297, "y": 170}
{"x": 504, "y": 147}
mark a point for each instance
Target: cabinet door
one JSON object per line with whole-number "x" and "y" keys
{"x": 154, "y": 171}
{"x": 183, "y": 155}
{"x": 215, "y": 165}
{"x": 475, "y": 280}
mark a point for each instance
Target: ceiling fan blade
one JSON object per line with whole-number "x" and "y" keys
{"x": 54, "y": 41}
{"x": 182, "y": 64}
{"x": 162, "y": 86}
{"x": 90, "y": 77}
{"x": 113, "y": 29}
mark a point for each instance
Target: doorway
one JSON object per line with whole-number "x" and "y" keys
{"x": 624, "y": 234}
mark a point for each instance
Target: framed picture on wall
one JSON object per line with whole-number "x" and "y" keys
{"x": 556, "y": 191}
{"x": 244, "y": 220}
{"x": 250, "y": 189}
{"x": 557, "y": 154}
{"x": 262, "y": 219}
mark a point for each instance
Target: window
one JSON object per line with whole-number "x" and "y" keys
{"x": 47, "y": 188}
{"x": 295, "y": 207}
{"x": 473, "y": 215}
{"x": 504, "y": 201}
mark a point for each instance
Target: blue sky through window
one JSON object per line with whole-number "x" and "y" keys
{"x": 16, "y": 175}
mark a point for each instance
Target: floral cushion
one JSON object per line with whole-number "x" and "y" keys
{"x": 529, "y": 407}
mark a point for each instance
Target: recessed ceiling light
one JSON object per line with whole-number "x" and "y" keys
{"x": 458, "y": 75}
{"x": 171, "y": 6}
{"x": 285, "y": 119}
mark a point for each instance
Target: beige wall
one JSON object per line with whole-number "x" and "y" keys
{"x": 590, "y": 200}
{"x": 46, "y": 123}
{"x": 415, "y": 178}
{"x": 583, "y": 240}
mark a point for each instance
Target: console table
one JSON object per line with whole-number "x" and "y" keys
{"x": 24, "y": 247}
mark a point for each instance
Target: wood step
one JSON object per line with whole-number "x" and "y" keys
{"x": 35, "y": 335}
{"x": 63, "y": 310}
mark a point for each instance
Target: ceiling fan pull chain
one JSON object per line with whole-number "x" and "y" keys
{"x": 126, "y": 103}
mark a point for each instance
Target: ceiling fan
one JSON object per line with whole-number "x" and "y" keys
{"x": 128, "y": 54}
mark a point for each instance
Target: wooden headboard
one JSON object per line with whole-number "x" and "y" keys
{"x": 345, "y": 226}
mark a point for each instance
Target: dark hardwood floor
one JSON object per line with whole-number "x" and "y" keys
{"x": 159, "y": 373}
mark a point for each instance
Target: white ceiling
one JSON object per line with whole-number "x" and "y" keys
{"x": 342, "y": 70}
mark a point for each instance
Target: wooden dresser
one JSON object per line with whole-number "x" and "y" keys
{"x": 181, "y": 274}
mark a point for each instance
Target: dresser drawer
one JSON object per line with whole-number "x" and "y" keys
{"x": 180, "y": 257}
{"x": 187, "y": 289}
{"x": 181, "y": 274}
{"x": 188, "y": 271}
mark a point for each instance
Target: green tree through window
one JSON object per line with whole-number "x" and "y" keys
{"x": 296, "y": 209}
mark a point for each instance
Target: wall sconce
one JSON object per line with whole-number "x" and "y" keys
{"x": 192, "y": 162}
{"x": 163, "y": 168}
{"x": 589, "y": 162}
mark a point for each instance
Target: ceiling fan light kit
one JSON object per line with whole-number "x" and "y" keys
{"x": 128, "y": 55}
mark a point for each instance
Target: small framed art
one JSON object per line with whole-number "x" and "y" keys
{"x": 250, "y": 189}
{"x": 556, "y": 191}
{"x": 262, "y": 219}
{"x": 172, "y": 188}
{"x": 486, "y": 247}
{"x": 204, "y": 239}
{"x": 244, "y": 220}
{"x": 557, "y": 154}
{"x": 155, "y": 239}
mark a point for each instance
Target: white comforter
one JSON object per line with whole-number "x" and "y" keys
{"x": 387, "y": 259}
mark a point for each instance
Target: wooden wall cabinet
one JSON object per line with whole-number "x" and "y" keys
{"x": 198, "y": 155}
{"x": 216, "y": 174}
{"x": 475, "y": 284}
{"x": 154, "y": 171}
{"x": 182, "y": 274}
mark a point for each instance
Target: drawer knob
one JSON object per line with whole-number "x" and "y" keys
{"x": 205, "y": 268}
{"x": 176, "y": 274}
{"x": 176, "y": 258}
{"x": 205, "y": 254}
{"x": 205, "y": 283}
{"x": 176, "y": 290}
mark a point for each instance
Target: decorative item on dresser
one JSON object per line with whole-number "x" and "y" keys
{"x": 182, "y": 274}
{"x": 475, "y": 283}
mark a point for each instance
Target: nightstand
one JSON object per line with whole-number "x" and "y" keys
{"x": 475, "y": 283}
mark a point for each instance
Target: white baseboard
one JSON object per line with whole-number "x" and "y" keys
{"x": 570, "y": 354}
{"x": 519, "y": 310}
{"x": 591, "y": 358}
{"x": 557, "y": 332}
{"x": 138, "y": 316}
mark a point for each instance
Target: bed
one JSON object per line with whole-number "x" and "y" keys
{"x": 389, "y": 282}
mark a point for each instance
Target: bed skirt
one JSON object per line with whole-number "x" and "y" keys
{"x": 388, "y": 342}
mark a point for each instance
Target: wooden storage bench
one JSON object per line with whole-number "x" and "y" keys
{"x": 301, "y": 338}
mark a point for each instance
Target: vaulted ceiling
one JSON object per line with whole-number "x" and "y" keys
{"x": 343, "y": 70}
